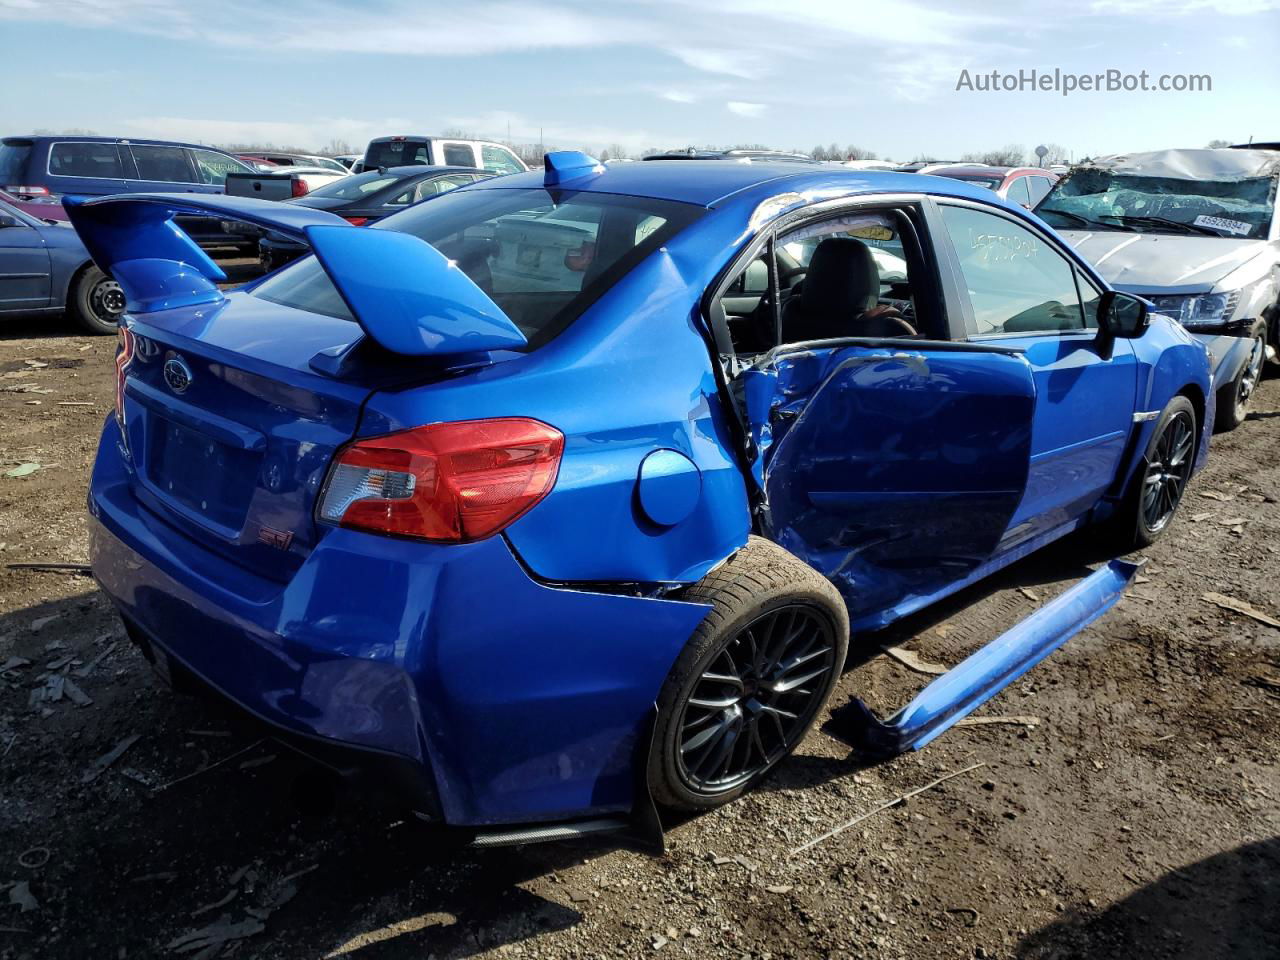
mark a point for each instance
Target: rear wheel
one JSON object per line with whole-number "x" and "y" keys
{"x": 95, "y": 301}
{"x": 1234, "y": 398}
{"x": 1161, "y": 479}
{"x": 752, "y": 679}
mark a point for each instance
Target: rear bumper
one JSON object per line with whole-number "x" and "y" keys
{"x": 517, "y": 701}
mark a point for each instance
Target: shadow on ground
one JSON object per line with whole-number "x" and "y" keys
{"x": 203, "y": 822}
{"x": 1227, "y": 906}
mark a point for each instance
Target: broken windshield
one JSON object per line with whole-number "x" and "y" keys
{"x": 1103, "y": 199}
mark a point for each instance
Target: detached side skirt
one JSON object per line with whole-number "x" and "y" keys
{"x": 973, "y": 682}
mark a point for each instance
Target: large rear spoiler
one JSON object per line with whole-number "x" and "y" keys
{"x": 402, "y": 291}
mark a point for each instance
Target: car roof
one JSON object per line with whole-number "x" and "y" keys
{"x": 77, "y": 138}
{"x": 391, "y": 137}
{"x": 736, "y": 154}
{"x": 416, "y": 169}
{"x": 711, "y": 181}
{"x": 969, "y": 168}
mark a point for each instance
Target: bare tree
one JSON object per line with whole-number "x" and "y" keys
{"x": 1217, "y": 144}
{"x": 65, "y": 132}
{"x": 1057, "y": 154}
{"x": 1011, "y": 155}
{"x": 820, "y": 153}
{"x": 854, "y": 152}
{"x": 336, "y": 147}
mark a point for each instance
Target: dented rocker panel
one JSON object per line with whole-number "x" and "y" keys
{"x": 977, "y": 679}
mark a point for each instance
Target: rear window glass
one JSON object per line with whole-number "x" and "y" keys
{"x": 13, "y": 162}
{"x": 85, "y": 160}
{"x": 542, "y": 262}
{"x": 396, "y": 153}
{"x": 353, "y": 188}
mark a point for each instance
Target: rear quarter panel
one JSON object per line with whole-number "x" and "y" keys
{"x": 67, "y": 257}
{"x": 631, "y": 376}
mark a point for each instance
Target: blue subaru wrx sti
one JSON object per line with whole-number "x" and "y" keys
{"x": 564, "y": 491}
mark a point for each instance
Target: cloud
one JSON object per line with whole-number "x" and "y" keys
{"x": 704, "y": 51}
{"x": 743, "y": 64}
{"x": 297, "y": 133}
{"x": 402, "y": 27}
{"x": 563, "y": 135}
{"x": 753, "y": 37}
{"x": 744, "y": 109}
{"x": 1167, "y": 8}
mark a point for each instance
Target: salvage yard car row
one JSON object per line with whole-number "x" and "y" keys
{"x": 726, "y": 414}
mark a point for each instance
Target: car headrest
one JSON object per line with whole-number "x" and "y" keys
{"x": 842, "y": 278}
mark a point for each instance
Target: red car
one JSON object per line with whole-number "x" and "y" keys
{"x": 42, "y": 209}
{"x": 1022, "y": 185}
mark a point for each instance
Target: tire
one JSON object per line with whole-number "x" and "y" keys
{"x": 1135, "y": 525}
{"x": 732, "y": 708}
{"x": 95, "y": 301}
{"x": 1272, "y": 318}
{"x": 1235, "y": 397}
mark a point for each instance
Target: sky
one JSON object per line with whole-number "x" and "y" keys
{"x": 881, "y": 74}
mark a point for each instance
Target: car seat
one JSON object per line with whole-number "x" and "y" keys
{"x": 840, "y": 296}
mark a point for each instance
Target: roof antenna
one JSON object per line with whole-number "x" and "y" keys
{"x": 561, "y": 166}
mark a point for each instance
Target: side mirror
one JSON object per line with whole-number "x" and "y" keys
{"x": 7, "y": 220}
{"x": 1121, "y": 316}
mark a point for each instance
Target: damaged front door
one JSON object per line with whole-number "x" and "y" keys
{"x": 893, "y": 467}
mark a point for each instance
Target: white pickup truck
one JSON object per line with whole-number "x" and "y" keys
{"x": 288, "y": 182}
{"x": 404, "y": 151}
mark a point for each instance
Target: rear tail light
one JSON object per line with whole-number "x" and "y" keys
{"x": 578, "y": 260}
{"x": 451, "y": 482}
{"x": 298, "y": 187}
{"x": 356, "y": 221}
{"x": 27, "y": 192}
{"x": 124, "y": 353}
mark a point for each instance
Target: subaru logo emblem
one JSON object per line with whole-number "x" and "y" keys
{"x": 177, "y": 374}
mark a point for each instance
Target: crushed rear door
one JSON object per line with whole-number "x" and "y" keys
{"x": 892, "y": 467}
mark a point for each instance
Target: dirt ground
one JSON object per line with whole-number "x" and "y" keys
{"x": 1128, "y": 805}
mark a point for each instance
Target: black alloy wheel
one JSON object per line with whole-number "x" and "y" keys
{"x": 756, "y": 698}
{"x": 1168, "y": 469}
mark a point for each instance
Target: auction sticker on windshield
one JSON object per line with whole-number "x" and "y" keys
{"x": 1219, "y": 223}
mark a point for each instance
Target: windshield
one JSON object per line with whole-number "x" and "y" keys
{"x": 353, "y": 188}
{"x": 542, "y": 257}
{"x": 990, "y": 183}
{"x": 325, "y": 163}
{"x": 1103, "y": 199}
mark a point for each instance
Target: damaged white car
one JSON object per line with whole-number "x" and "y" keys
{"x": 1196, "y": 233}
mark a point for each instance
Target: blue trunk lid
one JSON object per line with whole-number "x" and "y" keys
{"x": 230, "y": 431}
